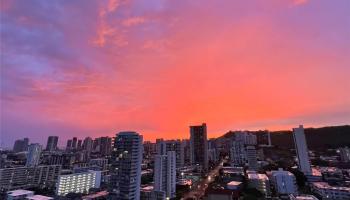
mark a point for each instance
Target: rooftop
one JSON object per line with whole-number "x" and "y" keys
{"x": 325, "y": 185}
{"x": 15, "y": 193}
{"x": 258, "y": 176}
{"x": 234, "y": 183}
{"x": 39, "y": 197}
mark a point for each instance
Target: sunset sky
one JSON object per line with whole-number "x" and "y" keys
{"x": 94, "y": 68}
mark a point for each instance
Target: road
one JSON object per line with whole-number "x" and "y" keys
{"x": 198, "y": 189}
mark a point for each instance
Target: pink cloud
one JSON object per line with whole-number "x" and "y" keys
{"x": 133, "y": 21}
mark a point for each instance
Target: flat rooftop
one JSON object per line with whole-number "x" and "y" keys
{"x": 15, "y": 193}
{"x": 39, "y": 197}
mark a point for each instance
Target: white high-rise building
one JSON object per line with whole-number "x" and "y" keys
{"x": 126, "y": 180}
{"x": 301, "y": 150}
{"x": 33, "y": 156}
{"x": 78, "y": 182}
{"x": 163, "y": 146}
{"x": 284, "y": 182}
{"x": 237, "y": 153}
{"x": 165, "y": 174}
{"x": 160, "y": 147}
{"x": 252, "y": 158}
{"x": 199, "y": 146}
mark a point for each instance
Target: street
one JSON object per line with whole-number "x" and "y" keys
{"x": 198, "y": 189}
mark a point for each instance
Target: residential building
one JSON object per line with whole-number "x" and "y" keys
{"x": 327, "y": 192}
{"x": 126, "y": 178}
{"x": 26, "y": 177}
{"x": 21, "y": 145}
{"x": 78, "y": 182}
{"x": 33, "y": 156}
{"x": 260, "y": 182}
{"x": 252, "y": 158}
{"x": 237, "y": 153}
{"x": 301, "y": 150}
{"x": 199, "y": 146}
{"x": 51, "y": 143}
{"x": 165, "y": 174}
{"x": 284, "y": 182}
{"x": 19, "y": 194}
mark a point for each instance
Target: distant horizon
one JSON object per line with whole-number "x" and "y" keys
{"x": 62, "y": 143}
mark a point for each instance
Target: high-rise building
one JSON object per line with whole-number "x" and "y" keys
{"x": 199, "y": 146}
{"x": 269, "y": 138}
{"x": 88, "y": 144}
{"x": 33, "y": 156}
{"x": 26, "y": 143}
{"x": 187, "y": 151}
{"x": 103, "y": 145}
{"x": 149, "y": 148}
{"x": 69, "y": 145}
{"x": 79, "y": 145}
{"x": 237, "y": 153}
{"x": 51, "y": 143}
{"x": 160, "y": 146}
{"x": 301, "y": 150}
{"x": 78, "y": 182}
{"x": 74, "y": 143}
{"x": 284, "y": 182}
{"x": 21, "y": 145}
{"x": 252, "y": 158}
{"x": 163, "y": 146}
{"x": 344, "y": 154}
{"x": 126, "y": 178}
{"x": 165, "y": 176}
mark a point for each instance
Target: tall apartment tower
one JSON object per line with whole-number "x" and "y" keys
{"x": 252, "y": 158}
{"x": 160, "y": 146}
{"x": 74, "y": 143}
{"x": 301, "y": 150}
{"x": 165, "y": 176}
{"x": 88, "y": 144}
{"x": 199, "y": 146}
{"x": 51, "y": 143}
{"x": 33, "y": 156}
{"x": 69, "y": 145}
{"x": 126, "y": 179}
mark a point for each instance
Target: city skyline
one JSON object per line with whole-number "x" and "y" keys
{"x": 158, "y": 67}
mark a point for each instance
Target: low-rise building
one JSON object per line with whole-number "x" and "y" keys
{"x": 284, "y": 182}
{"x": 260, "y": 182}
{"x": 39, "y": 197}
{"x": 302, "y": 197}
{"x": 326, "y": 191}
{"x": 19, "y": 194}
{"x": 26, "y": 177}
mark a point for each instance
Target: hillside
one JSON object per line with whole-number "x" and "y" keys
{"x": 324, "y": 137}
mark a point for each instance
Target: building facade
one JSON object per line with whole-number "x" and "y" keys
{"x": 33, "y": 156}
{"x": 78, "y": 182}
{"x": 199, "y": 146}
{"x": 126, "y": 178}
{"x": 301, "y": 150}
{"x": 165, "y": 174}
